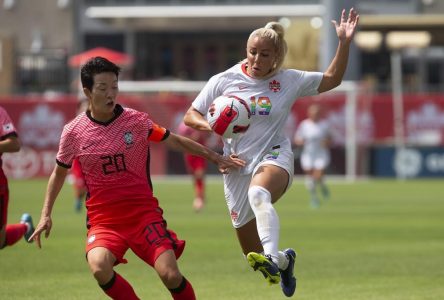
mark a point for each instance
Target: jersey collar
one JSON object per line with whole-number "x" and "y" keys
{"x": 118, "y": 110}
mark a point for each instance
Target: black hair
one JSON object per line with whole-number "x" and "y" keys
{"x": 94, "y": 66}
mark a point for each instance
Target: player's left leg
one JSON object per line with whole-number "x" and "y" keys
{"x": 288, "y": 280}
{"x": 168, "y": 271}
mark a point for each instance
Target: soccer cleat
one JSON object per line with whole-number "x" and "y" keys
{"x": 288, "y": 281}
{"x": 27, "y": 219}
{"x": 264, "y": 264}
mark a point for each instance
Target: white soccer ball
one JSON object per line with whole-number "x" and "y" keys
{"x": 229, "y": 116}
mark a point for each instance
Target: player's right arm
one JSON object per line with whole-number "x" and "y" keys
{"x": 193, "y": 118}
{"x": 55, "y": 184}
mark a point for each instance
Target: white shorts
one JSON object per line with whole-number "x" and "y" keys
{"x": 315, "y": 161}
{"x": 236, "y": 185}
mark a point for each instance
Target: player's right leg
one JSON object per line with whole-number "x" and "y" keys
{"x": 101, "y": 262}
{"x": 310, "y": 184}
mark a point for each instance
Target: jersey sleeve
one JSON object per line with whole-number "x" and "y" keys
{"x": 7, "y": 127}
{"x": 211, "y": 90}
{"x": 66, "y": 152}
{"x": 306, "y": 83}
{"x": 157, "y": 133}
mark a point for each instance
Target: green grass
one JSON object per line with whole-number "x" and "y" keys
{"x": 374, "y": 240}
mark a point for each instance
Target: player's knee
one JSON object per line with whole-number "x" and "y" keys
{"x": 170, "y": 277}
{"x": 100, "y": 268}
{"x": 259, "y": 197}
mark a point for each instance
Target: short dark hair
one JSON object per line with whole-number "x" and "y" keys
{"x": 94, "y": 66}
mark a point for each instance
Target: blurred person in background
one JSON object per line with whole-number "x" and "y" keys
{"x": 112, "y": 145}
{"x": 251, "y": 192}
{"x": 10, "y": 233}
{"x": 196, "y": 165}
{"x": 314, "y": 136}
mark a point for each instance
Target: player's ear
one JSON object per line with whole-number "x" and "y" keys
{"x": 87, "y": 93}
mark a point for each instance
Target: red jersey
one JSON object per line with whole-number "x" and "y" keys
{"x": 115, "y": 159}
{"x": 7, "y": 129}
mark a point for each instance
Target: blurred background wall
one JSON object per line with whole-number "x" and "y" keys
{"x": 175, "y": 46}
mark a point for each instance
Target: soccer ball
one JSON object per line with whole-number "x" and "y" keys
{"x": 229, "y": 116}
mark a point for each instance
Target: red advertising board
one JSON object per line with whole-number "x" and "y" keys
{"x": 40, "y": 121}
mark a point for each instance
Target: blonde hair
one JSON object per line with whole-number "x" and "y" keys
{"x": 273, "y": 31}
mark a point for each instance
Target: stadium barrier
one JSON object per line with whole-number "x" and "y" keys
{"x": 39, "y": 121}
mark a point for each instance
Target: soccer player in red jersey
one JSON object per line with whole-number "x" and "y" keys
{"x": 196, "y": 165}
{"x": 9, "y": 142}
{"x": 112, "y": 144}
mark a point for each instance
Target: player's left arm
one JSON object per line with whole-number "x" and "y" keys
{"x": 345, "y": 31}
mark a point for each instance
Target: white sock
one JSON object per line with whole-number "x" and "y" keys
{"x": 267, "y": 220}
{"x": 283, "y": 261}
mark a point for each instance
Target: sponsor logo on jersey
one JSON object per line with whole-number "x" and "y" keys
{"x": 272, "y": 155}
{"x": 274, "y": 86}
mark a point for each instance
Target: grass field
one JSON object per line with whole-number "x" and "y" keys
{"x": 374, "y": 240}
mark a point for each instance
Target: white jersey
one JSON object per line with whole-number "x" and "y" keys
{"x": 270, "y": 102}
{"x": 314, "y": 135}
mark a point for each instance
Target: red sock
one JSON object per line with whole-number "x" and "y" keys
{"x": 14, "y": 232}
{"x": 199, "y": 186}
{"x": 184, "y": 291}
{"x": 118, "y": 288}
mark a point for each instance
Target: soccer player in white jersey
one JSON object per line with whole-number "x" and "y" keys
{"x": 313, "y": 135}
{"x": 271, "y": 91}
{"x": 112, "y": 145}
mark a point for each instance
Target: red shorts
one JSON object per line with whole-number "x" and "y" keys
{"x": 194, "y": 162}
{"x": 147, "y": 240}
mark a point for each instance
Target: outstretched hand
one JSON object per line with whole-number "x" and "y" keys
{"x": 225, "y": 163}
{"x": 347, "y": 26}
{"x": 45, "y": 224}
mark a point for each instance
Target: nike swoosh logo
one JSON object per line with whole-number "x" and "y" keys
{"x": 242, "y": 87}
{"x": 87, "y": 146}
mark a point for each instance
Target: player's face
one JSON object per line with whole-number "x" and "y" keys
{"x": 261, "y": 55}
{"x": 103, "y": 96}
